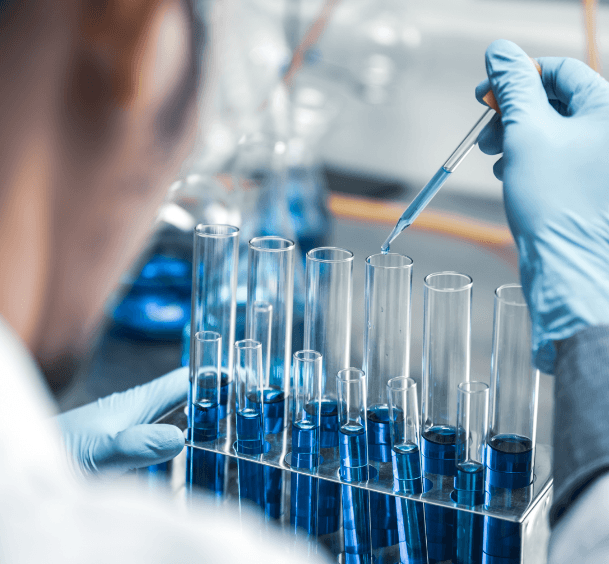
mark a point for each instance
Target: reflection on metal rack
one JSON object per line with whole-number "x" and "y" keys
{"x": 527, "y": 509}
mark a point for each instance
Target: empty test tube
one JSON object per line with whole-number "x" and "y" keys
{"x": 472, "y": 432}
{"x": 249, "y": 420}
{"x": 404, "y": 426}
{"x": 351, "y": 384}
{"x": 446, "y": 362}
{"x": 306, "y": 395}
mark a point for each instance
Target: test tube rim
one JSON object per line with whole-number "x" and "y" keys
{"x": 245, "y": 344}
{"x": 346, "y": 259}
{"x": 252, "y": 244}
{"x": 466, "y": 286}
{"x": 207, "y": 336}
{"x": 483, "y": 387}
{"x": 360, "y": 374}
{"x": 510, "y": 286}
{"x": 405, "y": 266}
{"x": 410, "y": 383}
{"x": 261, "y": 305}
{"x": 228, "y": 235}
{"x": 314, "y": 355}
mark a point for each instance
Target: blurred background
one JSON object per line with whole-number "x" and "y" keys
{"x": 328, "y": 116}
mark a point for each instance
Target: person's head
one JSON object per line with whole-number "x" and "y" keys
{"x": 98, "y": 106}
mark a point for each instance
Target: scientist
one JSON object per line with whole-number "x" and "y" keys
{"x": 97, "y": 109}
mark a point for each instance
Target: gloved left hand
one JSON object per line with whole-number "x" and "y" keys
{"x": 113, "y": 434}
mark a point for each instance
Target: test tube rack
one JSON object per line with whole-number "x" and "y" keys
{"x": 528, "y": 507}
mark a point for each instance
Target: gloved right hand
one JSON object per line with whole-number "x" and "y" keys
{"x": 554, "y": 135}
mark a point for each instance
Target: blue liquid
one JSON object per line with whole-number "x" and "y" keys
{"x": 352, "y": 448}
{"x": 509, "y": 465}
{"x": 329, "y": 424}
{"x": 383, "y": 508}
{"x": 469, "y": 490}
{"x": 379, "y": 441}
{"x": 410, "y": 515}
{"x": 250, "y": 441}
{"x": 356, "y": 525}
{"x": 249, "y": 431}
{"x": 438, "y": 450}
{"x": 305, "y": 445}
{"x": 272, "y": 492}
{"x": 406, "y": 462}
{"x": 328, "y": 507}
{"x": 224, "y": 389}
{"x": 303, "y": 503}
{"x": 204, "y": 469}
{"x": 417, "y": 205}
{"x": 509, "y": 461}
{"x": 205, "y": 421}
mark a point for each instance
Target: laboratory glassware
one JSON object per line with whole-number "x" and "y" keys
{"x": 386, "y": 355}
{"x": 306, "y": 395}
{"x": 248, "y": 374}
{"x": 441, "y": 176}
{"x": 261, "y": 323}
{"x": 353, "y": 447}
{"x": 404, "y": 426}
{"x": 510, "y": 450}
{"x": 447, "y": 303}
{"x": 328, "y": 299}
{"x": 514, "y": 385}
{"x": 205, "y": 468}
{"x": 214, "y": 285}
{"x": 271, "y": 280}
{"x": 472, "y": 434}
{"x": 327, "y": 329}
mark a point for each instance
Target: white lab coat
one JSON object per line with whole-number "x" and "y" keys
{"x": 49, "y": 516}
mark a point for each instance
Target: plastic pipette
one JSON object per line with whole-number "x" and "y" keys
{"x": 441, "y": 176}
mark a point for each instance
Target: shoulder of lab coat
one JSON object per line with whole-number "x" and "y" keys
{"x": 48, "y": 516}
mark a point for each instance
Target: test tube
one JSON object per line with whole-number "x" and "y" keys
{"x": 327, "y": 329}
{"x": 214, "y": 283}
{"x": 446, "y": 362}
{"x": 204, "y": 466}
{"x": 510, "y": 451}
{"x": 306, "y": 395}
{"x": 514, "y": 387}
{"x": 472, "y": 434}
{"x": 386, "y": 355}
{"x": 404, "y": 425}
{"x": 250, "y": 435}
{"x": 306, "y": 412}
{"x": 328, "y": 299}
{"x": 271, "y": 280}
{"x": 354, "y": 464}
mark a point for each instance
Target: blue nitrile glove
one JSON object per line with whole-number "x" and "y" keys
{"x": 112, "y": 435}
{"x": 554, "y": 135}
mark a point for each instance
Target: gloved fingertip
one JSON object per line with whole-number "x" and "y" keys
{"x": 482, "y": 89}
{"x": 498, "y": 169}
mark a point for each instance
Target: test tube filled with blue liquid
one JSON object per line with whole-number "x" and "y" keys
{"x": 406, "y": 461}
{"x": 271, "y": 282}
{"x": 205, "y": 395}
{"x": 249, "y": 419}
{"x": 353, "y": 447}
{"x": 327, "y": 329}
{"x": 386, "y": 355}
{"x": 446, "y": 363}
{"x": 306, "y": 394}
{"x": 510, "y": 451}
{"x": 472, "y": 433}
